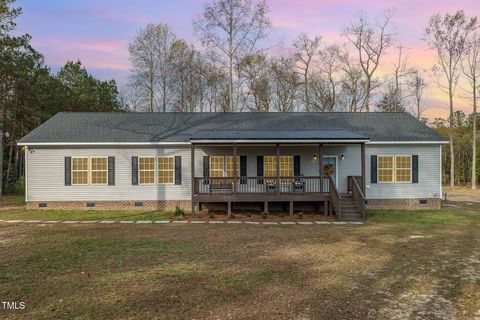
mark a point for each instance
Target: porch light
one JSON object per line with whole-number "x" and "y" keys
{"x": 314, "y": 156}
{"x": 342, "y": 156}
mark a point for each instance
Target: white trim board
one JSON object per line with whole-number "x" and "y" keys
{"x": 102, "y": 143}
{"x": 407, "y": 142}
{"x": 222, "y": 142}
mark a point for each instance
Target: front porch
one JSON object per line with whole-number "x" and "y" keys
{"x": 237, "y": 186}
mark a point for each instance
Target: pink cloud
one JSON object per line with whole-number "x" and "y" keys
{"x": 102, "y": 54}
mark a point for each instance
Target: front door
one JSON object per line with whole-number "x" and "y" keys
{"x": 329, "y": 169}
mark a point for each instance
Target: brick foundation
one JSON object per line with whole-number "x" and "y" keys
{"x": 432, "y": 203}
{"x": 112, "y": 205}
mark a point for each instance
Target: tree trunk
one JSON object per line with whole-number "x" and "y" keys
{"x": 16, "y": 165}
{"x": 452, "y": 151}
{"x": 12, "y": 147}
{"x": 151, "y": 90}
{"x": 307, "y": 100}
{"x": 366, "y": 102}
{"x": 164, "y": 107}
{"x": 474, "y": 138}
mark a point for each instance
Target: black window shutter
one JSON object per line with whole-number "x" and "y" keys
{"x": 415, "y": 169}
{"x": 135, "y": 171}
{"x": 206, "y": 166}
{"x": 111, "y": 171}
{"x": 260, "y": 168}
{"x": 68, "y": 171}
{"x": 178, "y": 170}
{"x": 296, "y": 165}
{"x": 206, "y": 169}
{"x": 373, "y": 169}
{"x": 243, "y": 169}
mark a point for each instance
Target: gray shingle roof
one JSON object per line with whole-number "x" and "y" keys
{"x": 303, "y": 134}
{"x": 180, "y": 127}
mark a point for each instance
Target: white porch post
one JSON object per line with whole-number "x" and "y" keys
{"x": 192, "y": 160}
{"x": 278, "y": 167}
{"x": 362, "y": 147}
{"x": 320, "y": 166}
{"x": 235, "y": 173}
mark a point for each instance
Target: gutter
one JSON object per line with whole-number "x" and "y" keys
{"x": 223, "y": 142}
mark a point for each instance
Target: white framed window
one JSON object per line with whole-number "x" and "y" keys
{"x": 99, "y": 170}
{"x": 403, "y": 169}
{"x": 229, "y": 166}
{"x": 394, "y": 168}
{"x": 166, "y": 170}
{"x": 80, "y": 170}
{"x": 146, "y": 170}
{"x": 217, "y": 166}
{"x": 270, "y": 166}
{"x": 385, "y": 169}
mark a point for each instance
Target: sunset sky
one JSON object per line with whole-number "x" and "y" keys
{"x": 98, "y": 32}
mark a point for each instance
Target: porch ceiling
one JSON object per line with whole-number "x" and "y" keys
{"x": 326, "y": 135}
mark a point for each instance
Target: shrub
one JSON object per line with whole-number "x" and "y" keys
{"x": 211, "y": 215}
{"x": 300, "y": 215}
{"x": 17, "y": 189}
{"x": 281, "y": 214}
{"x": 249, "y": 215}
{"x": 179, "y": 212}
{"x": 264, "y": 214}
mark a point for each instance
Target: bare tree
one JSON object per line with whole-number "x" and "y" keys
{"x": 448, "y": 36}
{"x": 417, "y": 87}
{"x": 130, "y": 99}
{"x": 319, "y": 92}
{"x": 232, "y": 28}
{"x": 285, "y": 83}
{"x": 149, "y": 53}
{"x": 216, "y": 82}
{"x": 329, "y": 66}
{"x": 255, "y": 69}
{"x": 183, "y": 77}
{"x": 352, "y": 84}
{"x": 471, "y": 70}
{"x": 370, "y": 40}
{"x": 400, "y": 73}
{"x": 390, "y": 101}
{"x": 306, "y": 49}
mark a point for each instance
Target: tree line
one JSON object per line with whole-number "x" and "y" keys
{"x": 234, "y": 72}
{"x": 30, "y": 93}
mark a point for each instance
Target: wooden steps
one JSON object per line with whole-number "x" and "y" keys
{"x": 350, "y": 211}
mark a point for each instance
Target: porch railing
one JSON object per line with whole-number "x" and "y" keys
{"x": 358, "y": 196}
{"x": 254, "y": 185}
{"x": 335, "y": 197}
{"x": 350, "y": 182}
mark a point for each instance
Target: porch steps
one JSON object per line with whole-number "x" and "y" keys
{"x": 350, "y": 211}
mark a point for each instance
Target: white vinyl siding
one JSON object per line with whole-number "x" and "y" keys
{"x": 429, "y": 173}
{"x": 46, "y": 178}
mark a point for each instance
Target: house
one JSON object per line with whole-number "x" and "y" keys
{"x": 335, "y": 162}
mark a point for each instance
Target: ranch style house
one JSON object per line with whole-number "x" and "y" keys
{"x": 333, "y": 163}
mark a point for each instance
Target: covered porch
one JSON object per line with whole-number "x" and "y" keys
{"x": 272, "y": 167}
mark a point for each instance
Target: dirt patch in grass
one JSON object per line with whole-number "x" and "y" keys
{"x": 462, "y": 194}
{"x": 185, "y": 271}
{"x": 23, "y": 214}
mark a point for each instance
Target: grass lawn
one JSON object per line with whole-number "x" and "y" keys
{"x": 399, "y": 265}
{"x": 24, "y": 214}
{"x": 12, "y": 201}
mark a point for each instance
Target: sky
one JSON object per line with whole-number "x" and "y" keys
{"x": 98, "y": 32}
